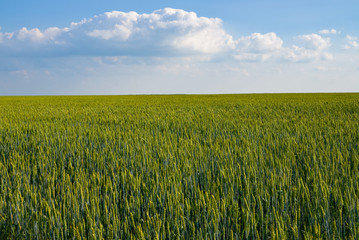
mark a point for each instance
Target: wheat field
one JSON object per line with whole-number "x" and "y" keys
{"x": 256, "y": 166}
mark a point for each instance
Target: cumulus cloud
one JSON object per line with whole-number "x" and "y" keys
{"x": 314, "y": 47}
{"x": 352, "y": 42}
{"x": 303, "y": 54}
{"x": 262, "y": 47}
{"x": 328, "y": 31}
{"x": 260, "y": 43}
{"x": 35, "y": 35}
{"x": 165, "y": 29}
{"x": 314, "y": 41}
{"x": 258, "y": 47}
{"x": 163, "y": 33}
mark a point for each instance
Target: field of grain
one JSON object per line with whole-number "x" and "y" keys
{"x": 271, "y": 166}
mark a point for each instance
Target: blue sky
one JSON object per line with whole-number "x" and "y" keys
{"x": 147, "y": 47}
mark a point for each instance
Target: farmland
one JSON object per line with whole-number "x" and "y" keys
{"x": 259, "y": 166}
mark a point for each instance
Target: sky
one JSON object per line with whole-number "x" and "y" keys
{"x": 88, "y": 47}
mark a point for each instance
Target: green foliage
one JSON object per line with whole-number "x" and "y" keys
{"x": 281, "y": 166}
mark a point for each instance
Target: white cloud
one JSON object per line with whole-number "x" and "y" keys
{"x": 352, "y": 42}
{"x": 262, "y": 47}
{"x": 209, "y": 40}
{"x": 119, "y": 32}
{"x": 258, "y": 47}
{"x": 303, "y": 54}
{"x": 314, "y": 48}
{"x": 166, "y": 28}
{"x": 35, "y": 35}
{"x": 328, "y": 31}
{"x": 314, "y": 41}
{"x": 163, "y": 33}
{"x": 259, "y": 43}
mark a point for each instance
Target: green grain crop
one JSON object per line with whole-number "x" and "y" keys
{"x": 261, "y": 166}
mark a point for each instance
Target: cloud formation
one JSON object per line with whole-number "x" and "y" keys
{"x": 260, "y": 43}
{"x": 314, "y": 41}
{"x": 166, "y": 31}
{"x": 257, "y": 47}
{"x": 352, "y": 42}
{"x": 327, "y": 31}
{"x": 163, "y": 33}
{"x": 35, "y": 35}
{"x": 303, "y": 54}
{"x": 261, "y": 47}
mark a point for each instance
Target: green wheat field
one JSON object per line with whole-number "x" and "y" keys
{"x": 256, "y": 166}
